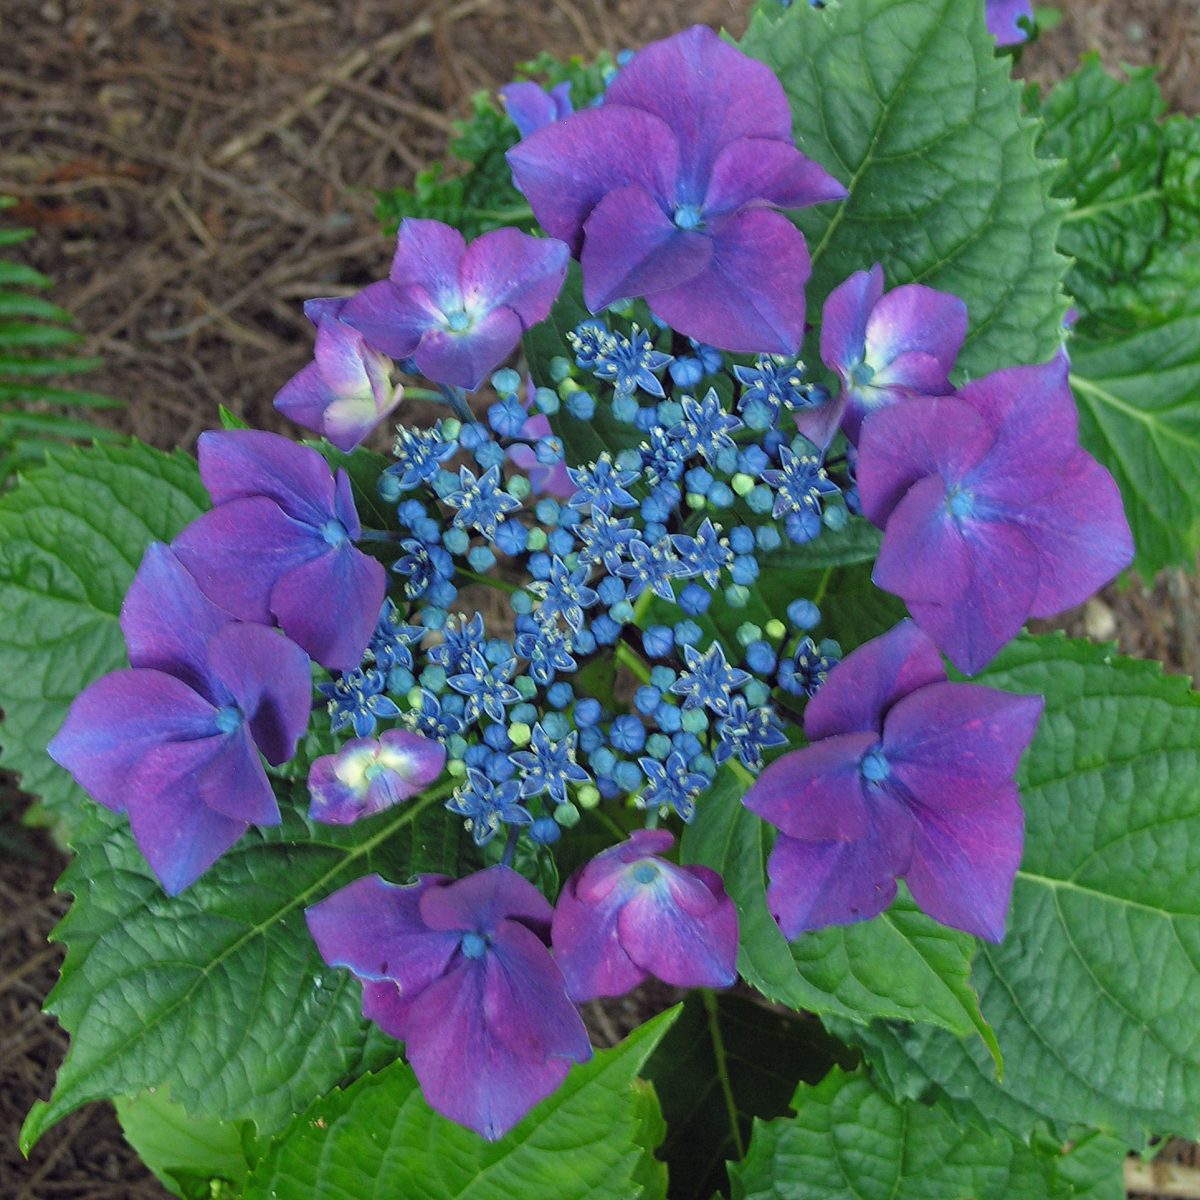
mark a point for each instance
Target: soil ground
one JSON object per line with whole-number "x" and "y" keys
{"x": 195, "y": 169}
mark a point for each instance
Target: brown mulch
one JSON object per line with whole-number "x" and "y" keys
{"x": 195, "y": 169}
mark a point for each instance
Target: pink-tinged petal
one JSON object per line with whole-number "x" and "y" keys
{"x": 429, "y": 254}
{"x": 510, "y": 269}
{"x": 631, "y": 247}
{"x": 367, "y": 777}
{"x": 566, "y": 169}
{"x": 324, "y": 308}
{"x": 1081, "y": 534}
{"x": 844, "y": 318}
{"x": 916, "y": 319}
{"x": 912, "y": 373}
{"x": 587, "y": 943}
{"x": 465, "y": 359}
{"x": 167, "y": 621}
{"x": 905, "y": 442}
{"x": 606, "y": 874}
{"x": 543, "y": 479}
{"x": 820, "y": 423}
{"x": 341, "y": 353}
{"x": 415, "y": 760}
{"x": 925, "y": 554}
{"x": 237, "y": 552}
{"x": 337, "y": 783}
{"x": 349, "y": 420}
{"x": 964, "y": 861}
{"x": 304, "y": 398}
{"x": 375, "y": 929}
{"x": 480, "y": 901}
{"x": 239, "y": 463}
{"x": 950, "y": 743}
{"x": 762, "y": 171}
{"x": 388, "y": 1006}
{"x": 392, "y": 319}
{"x": 708, "y": 92}
{"x": 180, "y": 835}
{"x": 868, "y": 681}
{"x": 1004, "y": 17}
{"x": 329, "y": 605}
{"x": 270, "y": 679}
{"x": 817, "y": 793}
{"x": 750, "y": 300}
{"x": 113, "y": 723}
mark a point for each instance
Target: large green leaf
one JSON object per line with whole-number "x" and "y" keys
{"x": 900, "y": 965}
{"x": 907, "y": 104}
{"x": 71, "y": 537}
{"x": 379, "y": 1139}
{"x": 849, "y": 1139}
{"x": 1093, "y": 994}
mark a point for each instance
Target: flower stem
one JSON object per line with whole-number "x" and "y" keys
{"x": 718, "y": 1044}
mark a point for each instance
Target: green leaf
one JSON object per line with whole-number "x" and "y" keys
{"x": 72, "y": 534}
{"x": 186, "y": 1155}
{"x": 908, "y": 105}
{"x": 379, "y": 1139}
{"x": 900, "y": 965}
{"x": 1094, "y": 991}
{"x": 220, "y": 994}
{"x": 849, "y": 1139}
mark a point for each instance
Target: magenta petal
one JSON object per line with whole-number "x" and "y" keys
{"x": 415, "y": 760}
{"x": 174, "y": 828}
{"x": 388, "y": 1006}
{"x": 631, "y": 248}
{"x": 587, "y": 945}
{"x": 925, "y": 555}
{"x": 391, "y": 319}
{"x": 324, "y": 308}
{"x": 869, "y": 680}
{"x": 117, "y": 720}
{"x": 429, "y": 254}
{"x": 465, "y": 359}
{"x": 817, "y": 793}
{"x": 329, "y": 606}
{"x": 270, "y": 678}
{"x": 167, "y": 620}
{"x": 750, "y": 300}
{"x": 844, "y": 318}
{"x": 820, "y": 423}
{"x": 232, "y": 782}
{"x": 758, "y": 171}
{"x": 913, "y": 318}
{"x": 964, "y": 861}
{"x": 481, "y": 901}
{"x": 510, "y": 269}
{"x": 239, "y": 463}
{"x": 304, "y": 398}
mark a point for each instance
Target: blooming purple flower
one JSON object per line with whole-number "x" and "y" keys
{"x": 630, "y": 914}
{"x": 533, "y": 107}
{"x": 883, "y": 349}
{"x": 906, "y": 776}
{"x": 367, "y": 776}
{"x": 347, "y": 390}
{"x": 667, "y": 190}
{"x": 458, "y": 311}
{"x": 279, "y": 546}
{"x": 991, "y": 511}
{"x": 175, "y": 740}
{"x": 1004, "y": 17}
{"x": 460, "y": 972}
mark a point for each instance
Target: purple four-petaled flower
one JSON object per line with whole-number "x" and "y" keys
{"x": 991, "y": 511}
{"x": 667, "y": 190}
{"x": 907, "y": 776}
{"x": 456, "y": 310}
{"x": 630, "y": 914}
{"x": 279, "y": 546}
{"x": 460, "y": 972}
{"x": 175, "y": 740}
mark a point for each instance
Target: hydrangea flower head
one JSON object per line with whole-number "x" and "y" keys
{"x": 630, "y": 914}
{"x": 279, "y": 546}
{"x": 175, "y": 740}
{"x": 907, "y": 776}
{"x": 667, "y": 190}
{"x": 533, "y": 107}
{"x": 346, "y": 391}
{"x": 458, "y": 311}
{"x": 883, "y": 348}
{"x": 1004, "y": 19}
{"x": 368, "y": 775}
{"x": 991, "y": 511}
{"x": 460, "y": 972}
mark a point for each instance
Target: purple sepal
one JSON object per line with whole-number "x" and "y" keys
{"x": 367, "y": 776}
{"x": 544, "y": 479}
{"x": 533, "y": 107}
{"x": 1003, "y": 17}
{"x": 629, "y": 913}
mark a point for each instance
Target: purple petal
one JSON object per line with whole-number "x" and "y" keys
{"x": 465, "y": 359}
{"x": 231, "y": 782}
{"x": 566, "y": 169}
{"x": 117, "y": 720}
{"x": 480, "y": 901}
{"x": 239, "y": 463}
{"x": 271, "y": 680}
{"x": 167, "y": 621}
{"x": 238, "y": 551}
{"x": 820, "y": 423}
{"x": 869, "y": 680}
{"x": 324, "y": 308}
{"x": 964, "y": 861}
{"x": 912, "y": 371}
{"x": 844, "y": 318}
{"x": 415, "y": 760}
{"x": 817, "y": 793}
{"x": 530, "y": 106}
{"x": 1003, "y": 17}
{"x": 388, "y": 1006}
{"x": 304, "y": 398}
{"x": 750, "y": 300}
{"x": 366, "y": 776}
{"x": 343, "y": 505}
{"x": 631, "y": 247}
{"x": 430, "y": 254}
{"x": 393, "y": 320}
{"x": 758, "y": 171}
{"x": 587, "y": 945}
{"x": 913, "y": 318}
{"x": 510, "y": 269}
{"x": 329, "y": 605}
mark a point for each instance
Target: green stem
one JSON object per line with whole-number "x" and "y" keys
{"x": 718, "y": 1042}
{"x": 627, "y": 656}
{"x": 499, "y": 584}
{"x": 1080, "y": 214}
{"x": 740, "y": 770}
{"x": 420, "y": 393}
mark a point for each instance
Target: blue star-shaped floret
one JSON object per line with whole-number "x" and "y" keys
{"x": 549, "y": 766}
{"x": 431, "y": 719}
{"x": 628, "y": 363}
{"x": 705, "y": 427}
{"x": 602, "y": 486}
{"x": 799, "y": 483}
{"x": 747, "y": 732}
{"x": 650, "y": 566}
{"x": 565, "y": 594}
{"x": 487, "y": 805}
{"x": 663, "y": 457}
{"x": 390, "y": 643}
{"x": 486, "y": 687}
{"x": 548, "y": 649}
{"x": 806, "y": 670}
{"x": 671, "y": 785}
{"x": 460, "y": 638}
{"x": 419, "y": 453}
{"x": 482, "y": 502}
{"x": 422, "y": 565}
{"x": 775, "y": 382}
{"x": 709, "y": 680}
{"x": 705, "y": 555}
{"x": 356, "y": 698}
{"x": 604, "y": 540}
